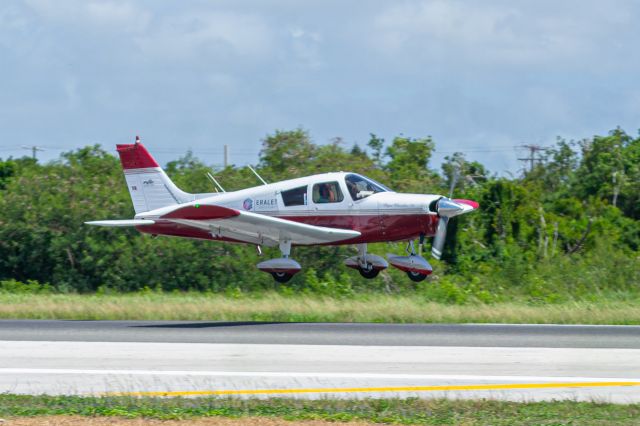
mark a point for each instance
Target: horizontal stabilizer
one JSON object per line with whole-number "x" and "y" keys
{"x": 120, "y": 223}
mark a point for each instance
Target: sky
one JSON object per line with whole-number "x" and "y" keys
{"x": 479, "y": 77}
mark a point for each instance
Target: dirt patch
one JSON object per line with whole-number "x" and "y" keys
{"x": 210, "y": 421}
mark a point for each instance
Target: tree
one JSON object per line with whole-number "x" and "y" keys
{"x": 7, "y": 170}
{"x": 285, "y": 153}
{"x": 408, "y": 163}
{"x": 376, "y": 144}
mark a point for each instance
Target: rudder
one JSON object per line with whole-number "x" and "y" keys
{"x": 149, "y": 186}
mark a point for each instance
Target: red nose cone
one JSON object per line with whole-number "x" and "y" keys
{"x": 470, "y": 203}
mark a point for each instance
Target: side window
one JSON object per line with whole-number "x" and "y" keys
{"x": 295, "y": 197}
{"x": 328, "y": 192}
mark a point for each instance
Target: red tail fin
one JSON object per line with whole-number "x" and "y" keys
{"x": 149, "y": 186}
{"x": 135, "y": 156}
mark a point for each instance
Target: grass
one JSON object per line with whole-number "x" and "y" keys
{"x": 305, "y": 308}
{"x": 201, "y": 421}
{"x": 390, "y": 411}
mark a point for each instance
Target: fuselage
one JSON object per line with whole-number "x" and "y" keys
{"x": 335, "y": 200}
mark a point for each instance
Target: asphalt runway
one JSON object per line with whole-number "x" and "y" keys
{"x": 316, "y": 360}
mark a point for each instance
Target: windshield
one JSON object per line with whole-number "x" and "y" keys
{"x": 361, "y": 187}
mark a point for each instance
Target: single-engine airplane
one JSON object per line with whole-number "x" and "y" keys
{"x": 324, "y": 209}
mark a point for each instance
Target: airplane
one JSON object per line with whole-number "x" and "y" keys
{"x": 325, "y": 209}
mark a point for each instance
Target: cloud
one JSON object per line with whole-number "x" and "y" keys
{"x": 305, "y": 46}
{"x": 504, "y": 33}
{"x": 190, "y": 35}
{"x": 116, "y": 16}
{"x": 472, "y": 74}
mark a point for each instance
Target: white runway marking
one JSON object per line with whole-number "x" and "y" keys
{"x": 39, "y": 371}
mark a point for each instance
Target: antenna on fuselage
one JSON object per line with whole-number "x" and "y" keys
{"x": 215, "y": 182}
{"x": 264, "y": 182}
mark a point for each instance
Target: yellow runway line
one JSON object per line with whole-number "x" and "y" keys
{"x": 439, "y": 388}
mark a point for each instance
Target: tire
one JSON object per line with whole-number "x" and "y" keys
{"x": 369, "y": 273}
{"x": 281, "y": 277}
{"x": 416, "y": 276}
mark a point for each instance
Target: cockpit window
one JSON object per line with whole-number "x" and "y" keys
{"x": 328, "y": 192}
{"x": 361, "y": 187}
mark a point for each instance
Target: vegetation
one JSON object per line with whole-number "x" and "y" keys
{"x": 368, "y": 307}
{"x": 566, "y": 231}
{"x": 388, "y": 411}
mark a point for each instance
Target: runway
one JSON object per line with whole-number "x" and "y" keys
{"x": 512, "y": 362}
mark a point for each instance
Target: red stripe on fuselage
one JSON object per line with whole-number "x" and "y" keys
{"x": 373, "y": 228}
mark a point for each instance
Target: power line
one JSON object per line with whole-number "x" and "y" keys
{"x": 533, "y": 157}
{"x": 34, "y": 149}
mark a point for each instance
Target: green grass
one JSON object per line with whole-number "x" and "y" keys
{"x": 272, "y": 306}
{"x": 393, "y": 411}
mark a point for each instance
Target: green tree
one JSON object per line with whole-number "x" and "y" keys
{"x": 376, "y": 145}
{"x": 286, "y": 153}
{"x": 408, "y": 164}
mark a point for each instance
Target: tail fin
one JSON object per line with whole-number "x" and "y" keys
{"x": 149, "y": 186}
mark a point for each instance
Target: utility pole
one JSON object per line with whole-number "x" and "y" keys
{"x": 533, "y": 157}
{"x": 34, "y": 149}
{"x": 226, "y": 156}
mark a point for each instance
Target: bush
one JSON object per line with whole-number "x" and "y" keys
{"x": 30, "y": 287}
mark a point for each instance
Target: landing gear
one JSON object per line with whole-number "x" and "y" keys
{"x": 369, "y": 265}
{"x": 368, "y": 271}
{"x": 416, "y": 267}
{"x": 284, "y": 268}
{"x": 416, "y": 276}
{"x": 281, "y": 277}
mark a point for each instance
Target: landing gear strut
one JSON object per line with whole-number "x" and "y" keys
{"x": 284, "y": 268}
{"x": 415, "y": 266}
{"x": 414, "y": 275}
{"x": 368, "y": 265}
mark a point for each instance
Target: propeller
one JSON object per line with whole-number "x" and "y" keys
{"x": 446, "y": 209}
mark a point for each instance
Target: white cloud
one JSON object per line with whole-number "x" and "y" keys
{"x": 470, "y": 73}
{"x": 194, "y": 34}
{"x": 305, "y": 47}
{"x": 117, "y": 16}
{"x": 508, "y": 33}
{"x": 447, "y": 21}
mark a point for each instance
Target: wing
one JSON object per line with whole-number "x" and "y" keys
{"x": 255, "y": 228}
{"x": 223, "y": 222}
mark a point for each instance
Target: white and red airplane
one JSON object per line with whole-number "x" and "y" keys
{"x": 324, "y": 209}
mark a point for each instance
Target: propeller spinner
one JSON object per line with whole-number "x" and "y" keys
{"x": 447, "y": 208}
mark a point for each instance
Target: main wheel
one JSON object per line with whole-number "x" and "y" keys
{"x": 369, "y": 272}
{"x": 281, "y": 277}
{"x": 416, "y": 276}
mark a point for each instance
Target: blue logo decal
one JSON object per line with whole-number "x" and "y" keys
{"x": 247, "y": 204}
